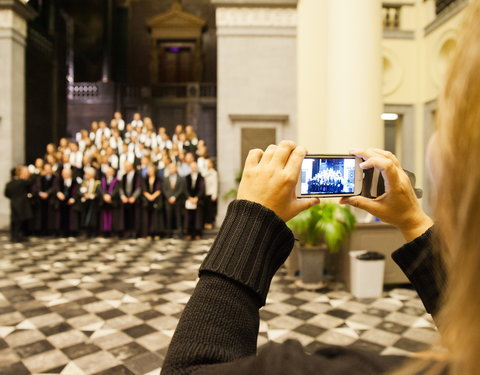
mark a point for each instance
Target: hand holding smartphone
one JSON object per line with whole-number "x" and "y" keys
{"x": 330, "y": 176}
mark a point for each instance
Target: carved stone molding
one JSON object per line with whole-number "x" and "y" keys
{"x": 257, "y": 17}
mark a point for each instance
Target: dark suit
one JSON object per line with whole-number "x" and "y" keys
{"x": 153, "y": 221}
{"x": 173, "y": 211}
{"x": 194, "y": 218}
{"x": 45, "y": 213}
{"x": 66, "y": 216}
{"x": 20, "y": 210}
{"x": 131, "y": 211}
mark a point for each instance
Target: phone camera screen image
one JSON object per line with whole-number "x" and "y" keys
{"x": 327, "y": 176}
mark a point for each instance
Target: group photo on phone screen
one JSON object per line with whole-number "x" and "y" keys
{"x": 328, "y": 176}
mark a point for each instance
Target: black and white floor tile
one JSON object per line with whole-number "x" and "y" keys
{"x": 106, "y": 306}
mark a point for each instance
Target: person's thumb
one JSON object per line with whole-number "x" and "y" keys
{"x": 304, "y": 204}
{"x": 366, "y": 204}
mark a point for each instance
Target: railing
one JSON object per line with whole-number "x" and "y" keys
{"x": 391, "y": 16}
{"x": 208, "y": 90}
{"x": 83, "y": 90}
{"x": 98, "y": 91}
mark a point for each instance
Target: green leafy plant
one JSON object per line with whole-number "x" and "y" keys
{"x": 326, "y": 223}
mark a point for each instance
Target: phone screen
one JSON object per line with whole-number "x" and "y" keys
{"x": 327, "y": 176}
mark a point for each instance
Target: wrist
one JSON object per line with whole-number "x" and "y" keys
{"x": 416, "y": 226}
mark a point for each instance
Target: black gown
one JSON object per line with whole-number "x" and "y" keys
{"x": 153, "y": 222}
{"x": 194, "y": 218}
{"x": 66, "y": 216}
{"x": 44, "y": 220}
{"x": 17, "y": 191}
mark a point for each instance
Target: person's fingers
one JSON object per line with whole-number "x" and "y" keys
{"x": 388, "y": 155}
{"x": 365, "y": 154}
{"x": 268, "y": 154}
{"x": 361, "y": 202}
{"x": 304, "y": 204}
{"x": 387, "y": 167}
{"x": 253, "y": 158}
{"x": 294, "y": 163}
{"x": 282, "y": 153}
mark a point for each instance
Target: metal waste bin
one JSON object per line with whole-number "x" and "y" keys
{"x": 366, "y": 273}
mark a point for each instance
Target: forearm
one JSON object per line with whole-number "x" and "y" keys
{"x": 423, "y": 266}
{"x": 220, "y": 322}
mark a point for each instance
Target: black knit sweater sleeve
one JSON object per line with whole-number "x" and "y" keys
{"x": 220, "y": 322}
{"x": 422, "y": 264}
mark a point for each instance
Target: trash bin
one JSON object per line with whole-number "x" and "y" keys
{"x": 366, "y": 273}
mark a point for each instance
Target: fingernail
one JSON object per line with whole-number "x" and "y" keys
{"x": 362, "y": 164}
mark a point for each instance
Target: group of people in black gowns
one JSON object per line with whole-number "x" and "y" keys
{"x": 141, "y": 184}
{"x": 326, "y": 181}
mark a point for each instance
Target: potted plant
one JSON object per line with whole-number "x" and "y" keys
{"x": 321, "y": 228}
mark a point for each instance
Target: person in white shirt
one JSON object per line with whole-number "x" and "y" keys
{"x": 125, "y": 156}
{"x": 93, "y": 130}
{"x": 178, "y": 131}
{"x": 211, "y": 194}
{"x": 137, "y": 122}
{"x": 117, "y": 116}
{"x": 112, "y": 158}
{"x": 202, "y": 159}
{"x": 76, "y": 156}
{"x": 101, "y": 132}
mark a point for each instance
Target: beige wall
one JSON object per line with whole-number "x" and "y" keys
{"x": 415, "y": 72}
{"x": 335, "y": 101}
{"x": 256, "y": 82}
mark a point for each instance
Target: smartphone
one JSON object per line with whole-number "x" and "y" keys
{"x": 330, "y": 176}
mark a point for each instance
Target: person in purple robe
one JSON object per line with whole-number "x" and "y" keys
{"x": 111, "y": 213}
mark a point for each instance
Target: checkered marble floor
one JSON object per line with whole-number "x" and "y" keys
{"x": 107, "y": 306}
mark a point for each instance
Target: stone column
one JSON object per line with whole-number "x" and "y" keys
{"x": 107, "y": 38}
{"x": 14, "y": 15}
{"x": 339, "y": 74}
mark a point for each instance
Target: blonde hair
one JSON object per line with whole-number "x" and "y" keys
{"x": 458, "y": 199}
{"x": 457, "y": 208}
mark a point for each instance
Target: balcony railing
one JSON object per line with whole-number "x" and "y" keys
{"x": 391, "y": 16}
{"x": 98, "y": 91}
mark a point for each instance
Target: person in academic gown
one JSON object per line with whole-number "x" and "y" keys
{"x": 130, "y": 191}
{"x": 111, "y": 209}
{"x": 89, "y": 202}
{"x": 17, "y": 190}
{"x": 152, "y": 204}
{"x": 66, "y": 204}
{"x": 174, "y": 192}
{"x": 35, "y": 223}
{"x": 195, "y": 194}
{"x": 46, "y": 195}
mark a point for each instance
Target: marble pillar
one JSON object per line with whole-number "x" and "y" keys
{"x": 14, "y": 15}
{"x": 339, "y": 74}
